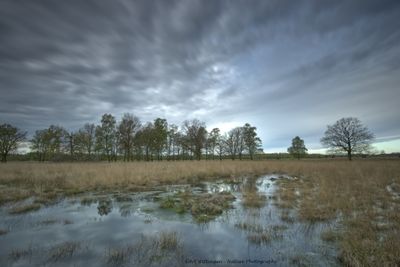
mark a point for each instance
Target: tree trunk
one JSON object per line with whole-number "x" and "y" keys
{"x": 4, "y": 157}
{"x": 349, "y": 154}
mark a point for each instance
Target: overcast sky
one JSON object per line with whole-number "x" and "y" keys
{"x": 287, "y": 67}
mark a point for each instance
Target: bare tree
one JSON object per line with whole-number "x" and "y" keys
{"x": 10, "y": 137}
{"x": 127, "y": 129}
{"x": 160, "y": 135}
{"x": 195, "y": 133}
{"x": 48, "y": 142}
{"x": 106, "y": 136}
{"x": 172, "y": 141}
{"x": 145, "y": 141}
{"x": 85, "y": 139}
{"x": 213, "y": 140}
{"x": 349, "y": 135}
{"x": 220, "y": 146}
{"x": 39, "y": 144}
{"x": 71, "y": 143}
{"x": 235, "y": 142}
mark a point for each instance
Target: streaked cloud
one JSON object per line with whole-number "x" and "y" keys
{"x": 288, "y": 67}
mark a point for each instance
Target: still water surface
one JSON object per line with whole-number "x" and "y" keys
{"x": 124, "y": 232}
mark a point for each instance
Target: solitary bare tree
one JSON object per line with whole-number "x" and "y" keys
{"x": 10, "y": 137}
{"x": 349, "y": 135}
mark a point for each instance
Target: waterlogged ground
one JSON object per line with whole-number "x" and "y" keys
{"x": 216, "y": 224}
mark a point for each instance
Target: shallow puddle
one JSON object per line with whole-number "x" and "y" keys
{"x": 131, "y": 229}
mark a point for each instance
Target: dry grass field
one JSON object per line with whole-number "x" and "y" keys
{"x": 363, "y": 196}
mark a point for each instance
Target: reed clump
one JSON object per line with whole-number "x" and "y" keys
{"x": 25, "y": 208}
{"x": 17, "y": 254}
{"x": 253, "y": 199}
{"x": 63, "y": 250}
{"x": 165, "y": 247}
{"x": 261, "y": 235}
{"x": 204, "y": 207}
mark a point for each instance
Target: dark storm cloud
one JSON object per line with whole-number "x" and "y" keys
{"x": 289, "y": 67}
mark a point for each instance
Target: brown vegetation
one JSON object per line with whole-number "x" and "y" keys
{"x": 362, "y": 195}
{"x": 24, "y": 208}
{"x": 203, "y": 207}
{"x": 261, "y": 235}
{"x": 17, "y": 254}
{"x": 164, "y": 247}
{"x": 38, "y": 178}
{"x": 357, "y": 194}
{"x": 63, "y": 250}
{"x": 253, "y": 199}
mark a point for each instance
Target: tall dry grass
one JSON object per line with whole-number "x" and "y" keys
{"x": 20, "y": 180}
{"x": 119, "y": 175}
{"x": 363, "y": 196}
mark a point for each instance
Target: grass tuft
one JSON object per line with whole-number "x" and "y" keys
{"x": 17, "y": 254}
{"x": 260, "y": 235}
{"x": 117, "y": 256}
{"x": 63, "y": 250}
{"x": 203, "y": 207}
{"x": 330, "y": 235}
{"x": 25, "y": 208}
{"x": 168, "y": 240}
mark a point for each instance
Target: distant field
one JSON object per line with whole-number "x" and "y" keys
{"x": 363, "y": 195}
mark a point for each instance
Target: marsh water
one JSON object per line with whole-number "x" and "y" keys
{"x": 125, "y": 229}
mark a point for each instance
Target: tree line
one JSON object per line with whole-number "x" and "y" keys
{"x": 130, "y": 140}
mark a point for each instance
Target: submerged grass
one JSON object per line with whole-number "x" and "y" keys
{"x": 168, "y": 240}
{"x": 164, "y": 247}
{"x": 47, "y": 198}
{"x": 25, "y": 208}
{"x": 117, "y": 256}
{"x": 63, "y": 250}
{"x": 253, "y": 199}
{"x": 259, "y": 234}
{"x": 3, "y": 232}
{"x": 17, "y": 254}
{"x": 13, "y": 194}
{"x": 329, "y": 235}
